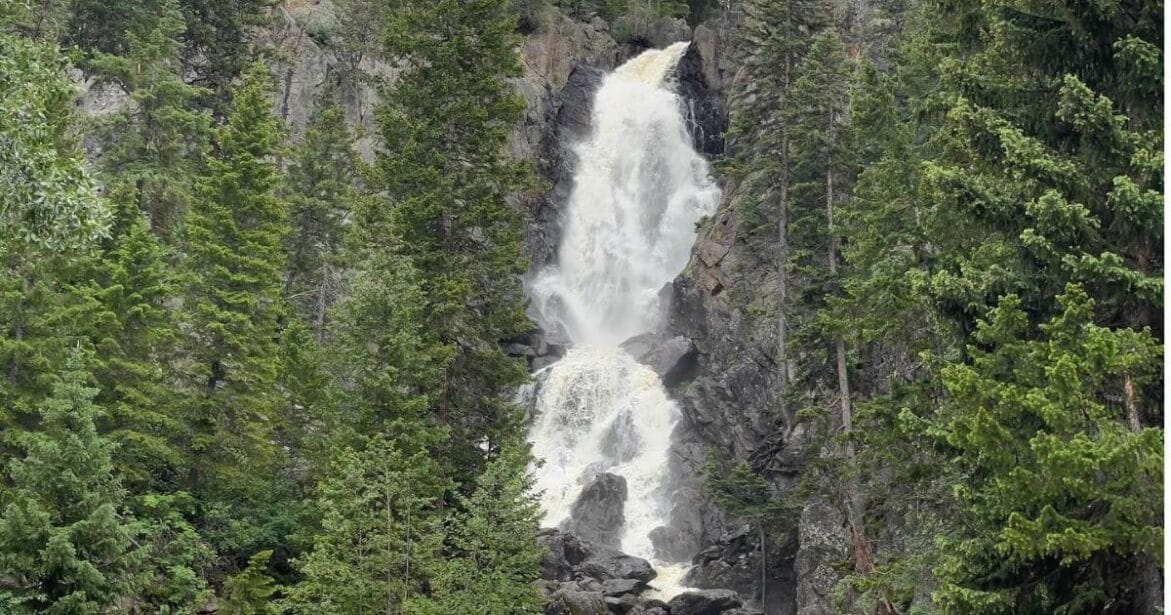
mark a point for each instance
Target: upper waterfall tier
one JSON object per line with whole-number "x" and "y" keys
{"x": 630, "y": 221}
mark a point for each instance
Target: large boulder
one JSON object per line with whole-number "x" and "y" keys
{"x": 564, "y": 553}
{"x": 569, "y": 558}
{"x": 613, "y": 564}
{"x": 621, "y": 442}
{"x": 672, "y": 358}
{"x": 672, "y": 544}
{"x": 597, "y": 515}
{"x": 575, "y": 602}
{"x": 705, "y": 602}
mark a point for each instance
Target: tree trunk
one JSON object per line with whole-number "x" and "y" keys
{"x": 763, "y": 567}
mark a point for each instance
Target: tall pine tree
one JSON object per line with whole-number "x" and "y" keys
{"x": 232, "y": 310}
{"x": 447, "y": 178}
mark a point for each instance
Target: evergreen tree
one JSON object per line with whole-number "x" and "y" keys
{"x": 158, "y": 143}
{"x": 380, "y": 526}
{"x": 1060, "y": 493}
{"x": 134, "y": 337}
{"x": 98, "y": 26}
{"x": 447, "y": 178}
{"x": 216, "y": 42}
{"x": 66, "y": 545}
{"x": 490, "y": 562}
{"x": 250, "y": 592}
{"x": 744, "y": 494}
{"x": 232, "y": 309}
{"x": 321, "y": 178}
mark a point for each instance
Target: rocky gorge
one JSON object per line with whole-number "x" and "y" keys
{"x": 713, "y": 356}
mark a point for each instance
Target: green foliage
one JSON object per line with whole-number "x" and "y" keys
{"x": 490, "y": 562}
{"x": 99, "y": 26}
{"x": 740, "y": 491}
{"x": 1058, "y": 491}
{"x": 216, "y": 41}
{"x": 47, "y": 199}
{"x": 158, "y": 142}
{"x": 134, "y": 336}
{"x": 232, "y": 306}
{"x": 446, "y": 181}
{"x": 66, "y": 545}
{"x": 380, "y": 526}
{"x": 175, "y": 557}
{"x": 321, "y": 187}
{"x": 250, "y": 592}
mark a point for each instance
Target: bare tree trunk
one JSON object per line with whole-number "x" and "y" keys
{"x": 763, "y": 566}
{"x": 319, "y": 323}
{"x": 1133, "y": 415}
{"x": 1151, "y": 582}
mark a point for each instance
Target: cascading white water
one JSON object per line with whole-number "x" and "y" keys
{"x": 628, "y": 228}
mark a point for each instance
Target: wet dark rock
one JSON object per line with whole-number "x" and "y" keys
{"x": 569, "y": 124}
{"x": 564, "y": 553}
{"x": 597, "y": 515}
{"x": 620, "y": 605}
{"x": 569, "y": 558}
{"x": 573, "y": 602}
{"x": 621, "y": 442}
{"x": 613, "y": 564}
{"x": 672, "y": 358}
{"x": 705, "y": 602}
{"x": 617, "y": 587}
{"x": 672, "y": 544}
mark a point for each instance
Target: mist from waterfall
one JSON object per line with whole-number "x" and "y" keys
{"x": 627, "y": 231}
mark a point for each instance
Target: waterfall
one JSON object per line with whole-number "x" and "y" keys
{"x": 627, "y": 231}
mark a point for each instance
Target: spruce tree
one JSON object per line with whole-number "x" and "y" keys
{"x": 321, "y": 189}
{"x": 157, "y": 144}
{"x": 250, "y": 592}
{"x": 1060, "y": 494}
{"x": 66, "y": 545}
{"x": 232, "y": 307}
{"x": 135, "y": 339}
{"x": 380, "y": 526}
{"x": 447, "y": 177}
{"x": 490, "y": 559}
{"x": 217, "y": 42}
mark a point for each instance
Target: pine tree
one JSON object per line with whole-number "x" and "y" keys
{"x": 380, "y": 527}
{"x": 1060, "y": 493}
{"x": 250, "y": 592}
{"x": 774, "y": 36}
{"x": 135, "y": 338}
{"x": 447, "y": 178}
{"x": 157, "y": 144}
{"x": 490, "y": 561}
{"x": 217, "y": 42}
{"x": 744, "y": 494}
{"x": 322, "y": 178}
{"x": 66, "y": 545}
{"x": 97, "y": 26}
{"x": 232, "y": 309}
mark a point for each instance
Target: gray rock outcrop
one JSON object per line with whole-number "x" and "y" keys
{"x": 597, "y": 515}
{"x": 672, "y": 358}
{"x": 705, "y": 602}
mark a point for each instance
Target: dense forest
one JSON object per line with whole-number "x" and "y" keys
{"x": 247, "y": 368}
